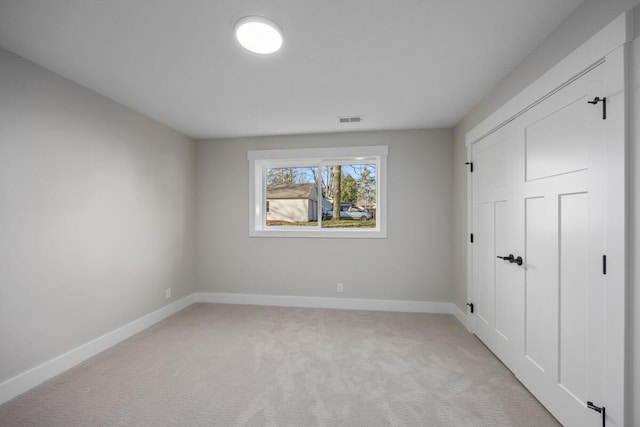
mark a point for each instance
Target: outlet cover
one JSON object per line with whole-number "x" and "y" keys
{"x": 167, "y": 293}
{"x": 340, "y": 287}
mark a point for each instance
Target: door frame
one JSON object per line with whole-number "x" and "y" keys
{"x": 607, "y": 48}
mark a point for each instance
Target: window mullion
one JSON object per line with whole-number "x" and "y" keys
{"x": 320, "y": 196}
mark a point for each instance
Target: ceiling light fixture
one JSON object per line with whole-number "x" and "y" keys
{"x": 258, "y": 34}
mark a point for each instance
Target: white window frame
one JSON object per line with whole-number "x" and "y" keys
{"x": 260, "y": 160}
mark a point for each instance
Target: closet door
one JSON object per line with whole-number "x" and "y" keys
{"x": 550, "y": 184}
{"x": 498, "y": 282}
{"x": 561, "y": 222}
{"x": 540, "y": 193}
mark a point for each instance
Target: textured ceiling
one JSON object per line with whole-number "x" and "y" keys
{"x": 402, "y": 64}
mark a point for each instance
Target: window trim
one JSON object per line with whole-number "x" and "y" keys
{"x": 259, "y": 160}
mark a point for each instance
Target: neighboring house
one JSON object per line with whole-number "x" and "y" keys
{"x": 292, "y": 202}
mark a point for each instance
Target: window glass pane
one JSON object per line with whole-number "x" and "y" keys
{"x": 353, "y": 187}
{"x": 292, "y": 196}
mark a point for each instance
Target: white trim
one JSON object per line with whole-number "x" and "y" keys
{"x": 583, "y": 58}
{"x": 35, "y": 376}
{"x": 462, "y": 317}
{"x": 327, "y": 302}
{"x": 259, "y": 160}
{"x": 319, "y": 153}
{"x": 617, "y": 233}
{"x": 470, "y": 323}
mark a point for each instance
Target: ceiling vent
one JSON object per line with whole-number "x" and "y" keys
{"x": 350, "y": 119}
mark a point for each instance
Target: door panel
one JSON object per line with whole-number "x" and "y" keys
{"x": 540, "y": 310}
{"x": 506, "y": 281}
{"x": 574, "y": 277}
{"x": 485, "y": 269}
{"x": 551, "y": 148}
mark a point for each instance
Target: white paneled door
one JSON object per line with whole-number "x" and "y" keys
{"x": 499, "y": 285}
{"x": 540, "y": 197}
{"x": 562, "y": 146}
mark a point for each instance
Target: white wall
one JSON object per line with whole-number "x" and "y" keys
{"x": 412, "y": 264}
{"x": 96, "y": 215}
{"x": 588, "y": 19}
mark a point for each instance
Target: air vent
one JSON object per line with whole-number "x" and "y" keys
{"x": 350, "y": 119}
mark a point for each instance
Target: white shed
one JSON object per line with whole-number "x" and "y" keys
{"x": 292, "y": 202}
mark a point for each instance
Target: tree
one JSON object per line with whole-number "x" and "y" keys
{"x": 367, "y": 186}
{"x": 337, "y": 175}
{"x": 327, "y": 181}
{"x": 282, "y": 176}
{"x": 349, "y": 190}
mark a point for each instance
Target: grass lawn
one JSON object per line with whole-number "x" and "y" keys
{"x": 349, "y": 223}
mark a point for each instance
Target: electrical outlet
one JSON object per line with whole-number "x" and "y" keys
{"x": 167, "y": 293}
{"x": 340, "y": 287}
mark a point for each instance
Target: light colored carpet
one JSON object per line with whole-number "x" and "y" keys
{"x": 234, "y": 365}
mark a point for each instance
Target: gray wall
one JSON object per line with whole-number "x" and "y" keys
{"x": 634, "y": 307}
{"x": 587, "y": 20}
{"x": 412, "y": 264}
{"x": 96, "y": 215}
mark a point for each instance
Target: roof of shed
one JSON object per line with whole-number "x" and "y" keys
{"x": 290, "y": 191}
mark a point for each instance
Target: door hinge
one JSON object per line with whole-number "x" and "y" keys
{"x": 471, "y": 237}
{"x": 470, "y": 304}
{"x": 604, "y": 264}
{"x": 470, "y": 166}
{"x": 600, "y": 410}
{"x": 604, "y": 105}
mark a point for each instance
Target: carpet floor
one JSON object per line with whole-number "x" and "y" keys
{"x": 238, "y": 365}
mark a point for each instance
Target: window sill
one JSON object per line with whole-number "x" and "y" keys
{"x": 320, "y": 233}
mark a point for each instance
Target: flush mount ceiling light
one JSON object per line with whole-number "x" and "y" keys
{"x": 258, "y": 34}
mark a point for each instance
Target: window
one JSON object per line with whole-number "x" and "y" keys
{"x": 293, "y": 192}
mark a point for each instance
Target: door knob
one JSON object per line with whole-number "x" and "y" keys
{"x": 512, "y": 259}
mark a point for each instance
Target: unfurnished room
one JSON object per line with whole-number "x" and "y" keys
{"x": 337, "y": 213}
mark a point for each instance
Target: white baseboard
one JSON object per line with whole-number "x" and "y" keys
{"x": 327, "y": 302}
{"x": 35, "y": 376}
{"x": 462, "y": 317}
